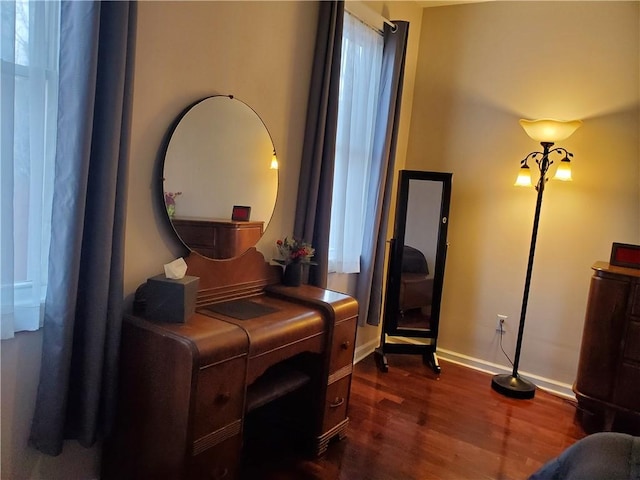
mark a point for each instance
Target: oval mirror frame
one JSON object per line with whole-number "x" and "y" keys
{"x": 218, "y": 156}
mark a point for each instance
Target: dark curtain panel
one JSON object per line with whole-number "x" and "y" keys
{"x": 370, "y": 279}
{"x": 315, "y": 187}
{"x": 83, "y": 308}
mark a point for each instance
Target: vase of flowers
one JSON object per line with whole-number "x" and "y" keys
{"x": 292, "y": 275}
{"x": 294, "y": 254}
{"x": 170, "y": 202}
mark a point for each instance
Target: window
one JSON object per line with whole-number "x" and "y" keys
{"x": 28, "y": 110}
{"x": 360, "y": 71}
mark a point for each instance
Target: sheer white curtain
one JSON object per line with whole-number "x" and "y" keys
{"x": 361, "y": 65}
{"x": 28, "y": 110}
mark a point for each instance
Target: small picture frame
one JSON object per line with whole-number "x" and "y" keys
{"x": 625, "y": 255}
{"x": 241, "y": 213}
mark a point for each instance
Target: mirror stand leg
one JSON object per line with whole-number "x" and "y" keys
{"x": 381, "y": 359}
{"x": 431, "y": 359}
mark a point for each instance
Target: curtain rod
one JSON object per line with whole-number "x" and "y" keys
{"x": 368, "y": 16}
{"x": 393, "y": 26}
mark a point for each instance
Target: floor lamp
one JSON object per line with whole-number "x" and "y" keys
{"x": 547, "y": 132}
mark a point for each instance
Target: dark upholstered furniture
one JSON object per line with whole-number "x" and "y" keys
{"x": 605, "y": 455}
{"x": 416, "y": 288}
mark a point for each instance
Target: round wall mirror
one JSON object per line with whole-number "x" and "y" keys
{"x": 219, "y": 182}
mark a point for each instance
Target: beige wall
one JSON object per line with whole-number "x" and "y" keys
{"x": 481, "y": 68}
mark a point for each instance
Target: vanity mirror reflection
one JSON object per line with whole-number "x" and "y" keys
{"x": 219, "y": 156}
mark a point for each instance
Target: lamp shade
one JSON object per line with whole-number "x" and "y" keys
{"x": 563, "y": 172}
{"x": 524, "y": 177}
{"x": 548, "y": 130}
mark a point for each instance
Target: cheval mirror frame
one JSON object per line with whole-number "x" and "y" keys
{"x": 415, "y": 272}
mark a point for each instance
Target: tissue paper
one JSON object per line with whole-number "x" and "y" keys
{"x": 176, "y": 269}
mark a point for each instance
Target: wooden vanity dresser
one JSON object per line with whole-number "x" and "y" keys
{"x": 189, "y": 392}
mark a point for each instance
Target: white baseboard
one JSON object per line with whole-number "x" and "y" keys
{"x": 364, "y": 350}
{"x": 547, "y": 384}
{"x": 552, "y": 386}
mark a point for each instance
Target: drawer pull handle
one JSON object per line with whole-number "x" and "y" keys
{"x": 337, "y": 402}
{"x": 219, "y": 473}
{"x": 223, "y": 397}
{"x": 346, "y": 345}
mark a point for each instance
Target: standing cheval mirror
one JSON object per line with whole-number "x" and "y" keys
{"x": 415, "y": 272}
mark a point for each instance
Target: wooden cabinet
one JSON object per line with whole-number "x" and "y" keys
{"x": 181, "y": 397}
{"x": 608, "y": 379}
{"x": 218, "y": 238}
{"x": 186, "y": 389}
{"x": 342, "y": 312}
{"x": 338, "y": 384}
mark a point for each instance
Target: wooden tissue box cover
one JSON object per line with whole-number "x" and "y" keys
{"x": 169, "y": 300}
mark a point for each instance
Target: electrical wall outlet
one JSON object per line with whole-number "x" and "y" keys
{"x": 501, "y": 321}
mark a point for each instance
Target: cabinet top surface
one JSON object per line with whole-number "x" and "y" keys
{"x": 217, "y": 221}
{"x": 337, "y": 305}
{"x": 608, "y": 268}
{"x": 213, "y": 339}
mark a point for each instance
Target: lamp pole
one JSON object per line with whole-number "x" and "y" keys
{"x": 544, "y": 166}
{"x": 513, "y": 385}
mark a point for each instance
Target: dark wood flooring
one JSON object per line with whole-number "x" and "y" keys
{"x": 410, "y": 424}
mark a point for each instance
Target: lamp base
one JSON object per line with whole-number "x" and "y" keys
{"x": 514, "y": 387}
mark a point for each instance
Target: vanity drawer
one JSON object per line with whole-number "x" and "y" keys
{"x": 632, "y": 342}
{"x": 194, "y": 233}
{"x": 343, "y": 344}
{"x": 627, "y": 392}
{"x": 219, "y": 396}
{"x": 635, "y": 301}
{"x": 219, "y": 462}
{"x": 336, "y": 400}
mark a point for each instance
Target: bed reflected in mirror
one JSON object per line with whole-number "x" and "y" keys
{"x": 419, "y": 253}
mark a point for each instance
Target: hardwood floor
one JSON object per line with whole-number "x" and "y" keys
{"x": 409, "y": 424}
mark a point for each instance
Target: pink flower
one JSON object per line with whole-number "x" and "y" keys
{"x": 293, "y": 250}
{"x": 170, "y": 197}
